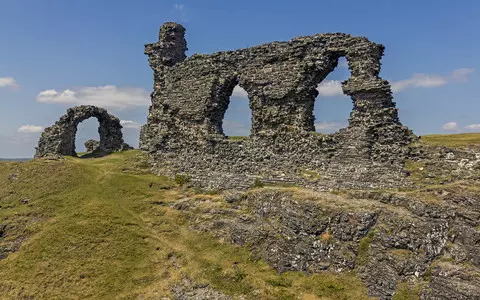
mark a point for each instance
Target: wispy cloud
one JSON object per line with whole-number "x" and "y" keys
{"x": 450, "y": 126}
{"x": 30, "y": 129}
{"x": 329, "y": 126}
{"x": 8, "y": 82}
{"x": 473, "y": 127}
{"x": 462, "y": 74}
{"x": 430, "y": 81}
{"x": 330, "y": 88}
{"x": 239, "y": 92}
{"x": 108, "y": 96}
{"x": 180, "y": 10}
{"x": 130, "y": 124}
{"x": 418, "y": 80}
{"x": 179, "y": 7}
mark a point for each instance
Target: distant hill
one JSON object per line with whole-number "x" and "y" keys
{"x": 15, "y": 159}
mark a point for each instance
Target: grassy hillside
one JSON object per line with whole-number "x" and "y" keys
{"x": 105, "y": 228}
{"x": 99, "y": 229}
{"x": 452, "y": 140}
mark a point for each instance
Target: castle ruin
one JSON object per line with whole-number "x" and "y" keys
{"x": 184, "y": 134}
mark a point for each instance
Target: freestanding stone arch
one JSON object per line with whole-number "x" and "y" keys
{"x": 190, "y": 97}
{"x": 59, "y": 139}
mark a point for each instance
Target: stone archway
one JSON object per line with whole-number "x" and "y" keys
{"x": 59, "y": 139}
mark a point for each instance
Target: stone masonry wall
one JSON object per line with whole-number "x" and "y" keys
{"x": 184, "y": 134}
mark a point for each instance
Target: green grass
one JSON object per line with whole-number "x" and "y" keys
{"x": 363, "y": 246}
{"x": 406, "y": 291}
{"x": 237, "y": 137}
{"x": 101, "y": 228}
{"x": 452, "y": 140}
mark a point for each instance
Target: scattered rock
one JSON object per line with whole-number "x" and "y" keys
{"x": 13, "y": 177}
{"x": 189, "y": 290}
{"x": 232, "y": 196}
{"x": 449, "y": 282}
{"x": 91, "y": 145}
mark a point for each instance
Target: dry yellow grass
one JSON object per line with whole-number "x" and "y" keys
{"x": 452, "y": 140}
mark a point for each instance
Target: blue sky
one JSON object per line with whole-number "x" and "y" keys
{"x": 59, "y": 53}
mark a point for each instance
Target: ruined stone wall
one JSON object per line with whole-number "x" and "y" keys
{"x": 184, "y": 129}
{"x": 59, "y": 139}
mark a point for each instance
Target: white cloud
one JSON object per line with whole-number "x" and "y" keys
{"x": 473, "y": 127}
{"x": 8, "y": 82}
{"x": 30, "y": 129}
{"x": 429, "y": 81}
{"x": 239, "y": 92}
{"x": 108, "y": 96}
{"x": 450, "y": 126}
{"x": 462, "y": 74}
{"x": 330, "y": 88}
{"x": 329, "y": 126}
{"x": 130, "y": 124}
{"x": 419, "y": 80}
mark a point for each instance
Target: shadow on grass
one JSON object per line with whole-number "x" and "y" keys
{"x": 94, "y": 154}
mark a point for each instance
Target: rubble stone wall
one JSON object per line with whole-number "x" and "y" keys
{"x": 59, "y": 139}
{"x": 184, "y": 131}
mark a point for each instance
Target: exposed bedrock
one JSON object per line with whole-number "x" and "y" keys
{"x": 184, "y": 130}
{"x": 392, "y": 241}
{"x": 59, "y": 139}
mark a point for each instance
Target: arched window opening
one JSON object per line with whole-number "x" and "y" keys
{"x": 86, "y": 130}
{"x": 237, "y": 120}
{"x": 332, "y": 108}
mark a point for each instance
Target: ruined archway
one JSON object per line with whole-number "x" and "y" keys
{"x": 87, "y": 138}
{"x": 332, "y": 107}
{"x": 237, "y": 118}
{"x": 59, "y": 139}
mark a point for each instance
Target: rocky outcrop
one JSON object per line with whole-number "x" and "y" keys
{"x": 186, "y": 289}
{"x": 184, "y": 130}
{"x": 428, "y": 242}
{"x": 59, "y": 139}
{"x": 91, "y": 145}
